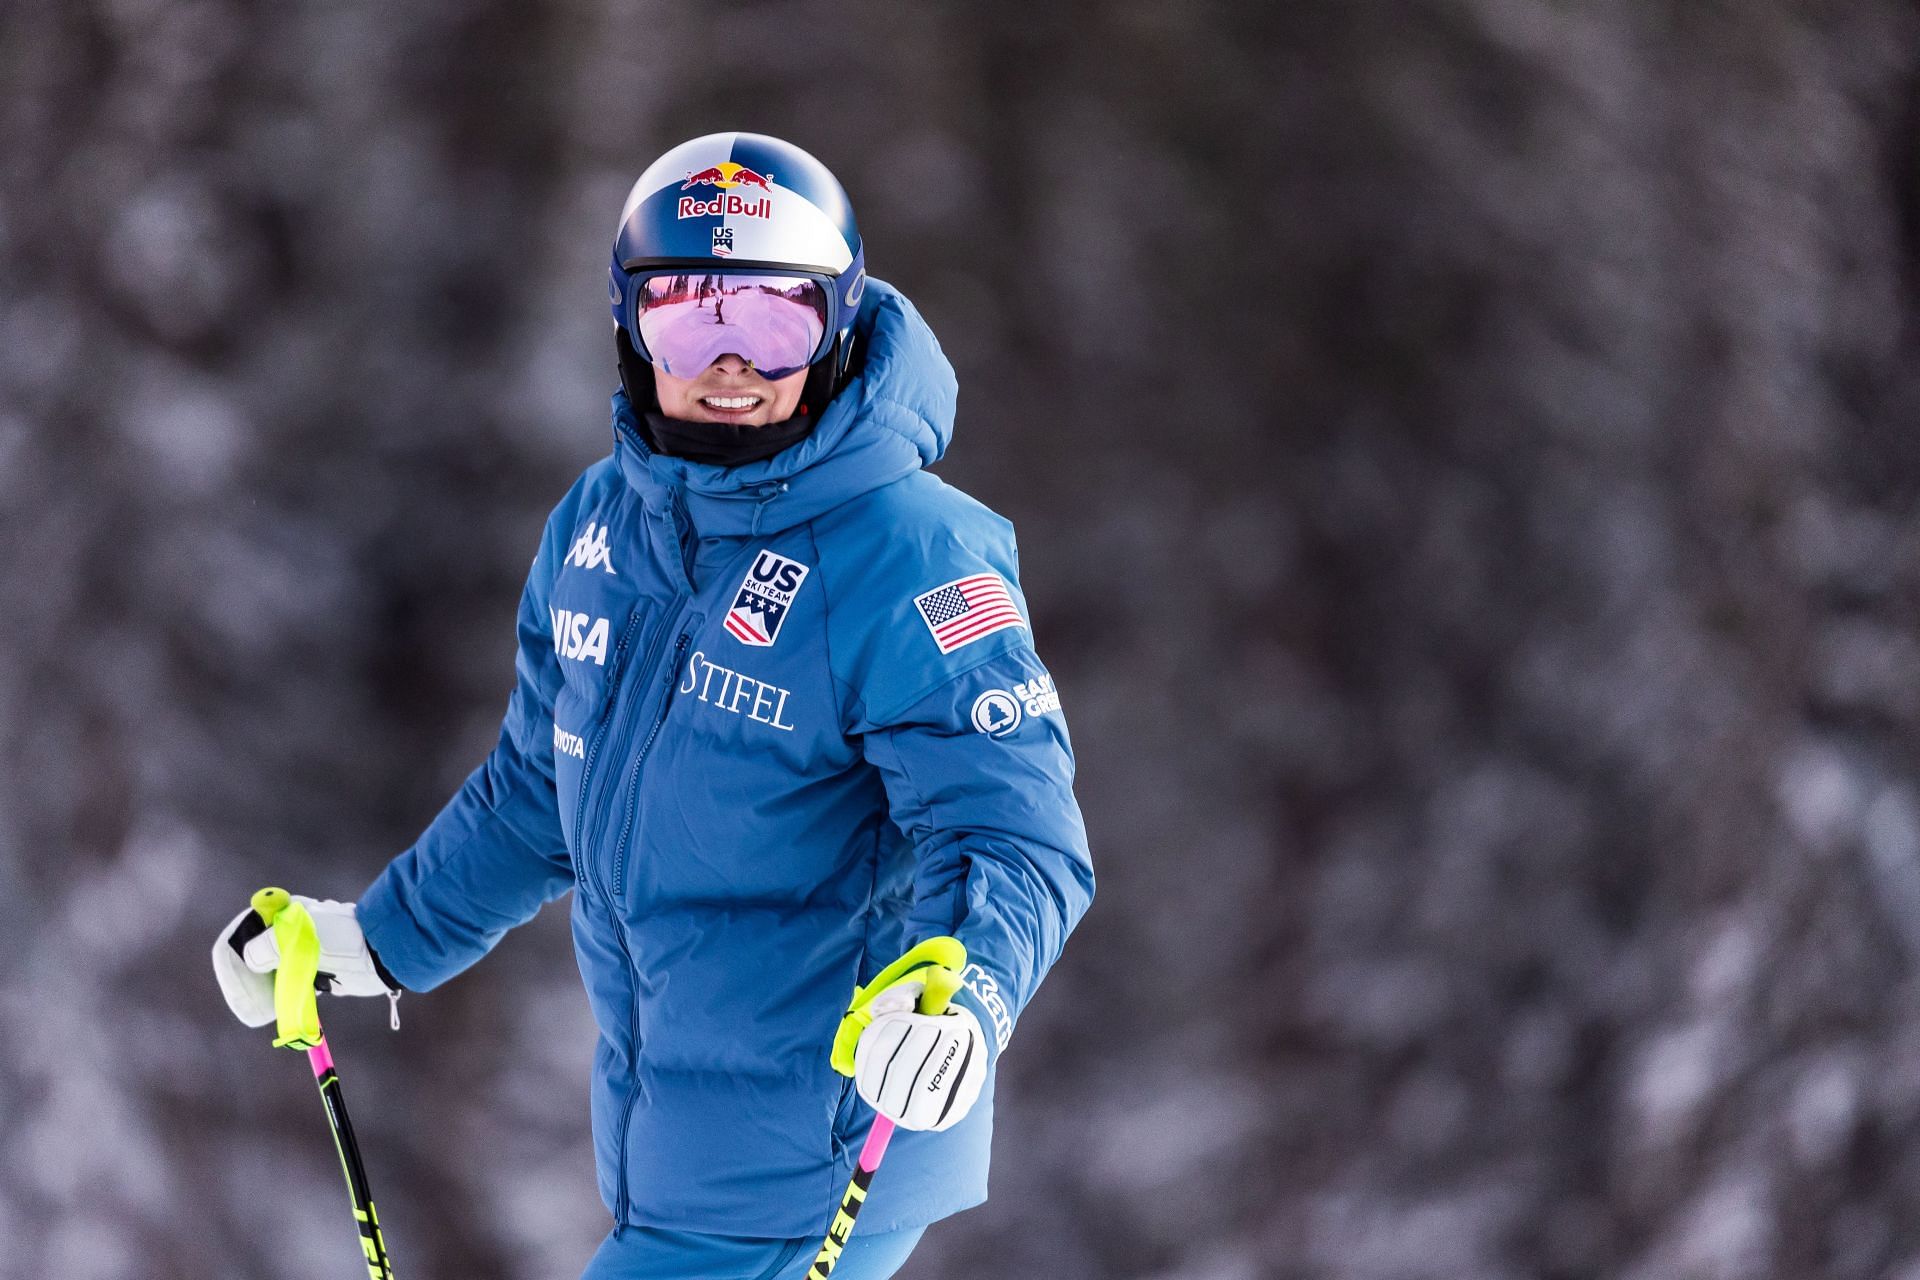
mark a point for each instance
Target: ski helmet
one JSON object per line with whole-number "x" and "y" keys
{"x": 739, "y": 204}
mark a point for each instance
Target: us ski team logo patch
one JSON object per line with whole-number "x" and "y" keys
{"x": 765, "y": 595}
{"x": 968, "y": 609}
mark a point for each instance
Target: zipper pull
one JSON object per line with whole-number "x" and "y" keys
{"x": 393, "y": 1010}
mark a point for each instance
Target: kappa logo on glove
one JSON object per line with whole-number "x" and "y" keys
{"x": 978, "y": 981}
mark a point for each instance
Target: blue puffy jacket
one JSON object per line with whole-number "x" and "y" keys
{"x": 773, "y": 724}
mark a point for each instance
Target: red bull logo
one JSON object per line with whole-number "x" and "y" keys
{"x": 728, "y": 176}
{"x": 723, "y": 203}
{"x": 729, "y": 200}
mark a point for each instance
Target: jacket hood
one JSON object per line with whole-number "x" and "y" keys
{"x": 892, "y": 418}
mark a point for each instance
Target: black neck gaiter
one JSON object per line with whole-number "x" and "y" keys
{"x": 724, "y": 444}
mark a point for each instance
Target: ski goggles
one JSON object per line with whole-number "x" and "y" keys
{"x": 686, "y": 320}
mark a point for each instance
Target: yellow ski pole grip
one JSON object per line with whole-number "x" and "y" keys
{"x": 937, "y": 962}
{"x": 294, "y": 1001}
{"x": 942, "y": 983}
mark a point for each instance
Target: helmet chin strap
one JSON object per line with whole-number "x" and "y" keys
{"x": 825, "y": 378}
{"x": 636, "y": 375}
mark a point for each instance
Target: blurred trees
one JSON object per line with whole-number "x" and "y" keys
{"x": 1465, "y": 464}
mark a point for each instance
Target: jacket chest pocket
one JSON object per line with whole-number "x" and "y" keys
{"x": 593, "y": 650}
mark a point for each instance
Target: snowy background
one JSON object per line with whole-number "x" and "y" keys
{"x": 1466, "y": 462}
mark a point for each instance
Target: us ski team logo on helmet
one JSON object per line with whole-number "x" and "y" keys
{"x": 765, "y": 595}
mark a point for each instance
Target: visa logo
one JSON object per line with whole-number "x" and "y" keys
{"x": 579, "y": 637}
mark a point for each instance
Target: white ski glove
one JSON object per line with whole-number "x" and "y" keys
{"x": 246, "y": 954}
{"x": 922, "y": 1070}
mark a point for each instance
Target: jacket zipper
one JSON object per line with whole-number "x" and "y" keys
{"x": 613, "y": 911}
{"x": 621, "y": 728}
{"x": 619, "y": 925}
{"x": 633, "y": 1057}
{"x": 633, "y": 783}
{"x": 678, "y": 516}
{"x": 593, "y": 749}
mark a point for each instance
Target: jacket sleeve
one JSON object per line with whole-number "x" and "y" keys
{"x": 972, "y": 748}
{"x": 1001, "y": 851}
{"x": 494, "y": 855}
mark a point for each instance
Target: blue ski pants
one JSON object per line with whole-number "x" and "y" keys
{"x": 646, "y": 1253}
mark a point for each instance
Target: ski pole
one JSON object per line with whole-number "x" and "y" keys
{"x": 299, "y": 1026}
{"x": 938, "y": 962}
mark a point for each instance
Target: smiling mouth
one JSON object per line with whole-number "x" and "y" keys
{"x": 730, "y": 404}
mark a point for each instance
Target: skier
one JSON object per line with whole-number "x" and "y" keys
{"x": 778, "y": 718}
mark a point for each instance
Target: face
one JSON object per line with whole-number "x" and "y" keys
{"x": 728, "y": 391}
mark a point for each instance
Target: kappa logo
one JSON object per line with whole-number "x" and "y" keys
{"x": 981, "y": 983}
{"x": 579, "y": 637}
{"x": 590, "y": 549}
{"x": 765, "y": 596}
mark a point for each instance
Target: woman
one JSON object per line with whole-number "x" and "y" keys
{"x": 778, "y": 718}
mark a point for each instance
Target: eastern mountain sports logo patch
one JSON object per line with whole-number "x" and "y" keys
{"x": 765, "y": 595}
{"x": 968, "y": 609}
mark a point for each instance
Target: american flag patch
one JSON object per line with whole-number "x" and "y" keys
{"x": 967, "y": 609}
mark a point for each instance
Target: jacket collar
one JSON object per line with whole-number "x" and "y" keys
{"x": 892, "y": 418}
